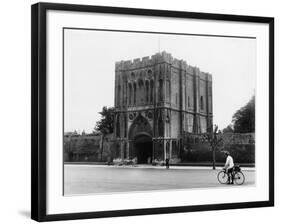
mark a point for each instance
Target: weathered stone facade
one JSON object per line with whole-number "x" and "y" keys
{"x": 87, "y": 147}
{"x": 158, "y": 101}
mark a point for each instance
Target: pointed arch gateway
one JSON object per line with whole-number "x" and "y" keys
{"x": 140, "y": 136}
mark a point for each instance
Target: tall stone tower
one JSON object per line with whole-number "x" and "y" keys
{"x": 159, "y": 100}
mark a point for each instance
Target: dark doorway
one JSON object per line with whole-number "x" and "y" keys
{"x": 143, "y": 149}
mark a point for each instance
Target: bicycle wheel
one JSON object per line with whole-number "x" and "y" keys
{"x": 239, "y": 178}
{"x": 222, "y": 177}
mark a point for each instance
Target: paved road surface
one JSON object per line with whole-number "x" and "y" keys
{"x": 87, "y": 179}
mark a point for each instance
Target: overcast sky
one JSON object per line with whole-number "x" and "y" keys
{"x": 90, "y": 58}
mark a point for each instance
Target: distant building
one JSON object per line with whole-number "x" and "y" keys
{"x": 159, "y": 101}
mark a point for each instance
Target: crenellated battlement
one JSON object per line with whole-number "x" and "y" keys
{"x": 160, "y": 97}
{"x": 163, "y": 57}
{"x": 147, "y": 61}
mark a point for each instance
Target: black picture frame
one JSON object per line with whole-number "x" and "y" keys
{"x": 39, "y": 107}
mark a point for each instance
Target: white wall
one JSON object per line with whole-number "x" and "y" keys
{"x": 15, "y": 109}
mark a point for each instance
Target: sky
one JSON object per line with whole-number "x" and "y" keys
{"x": 89, "y": 69}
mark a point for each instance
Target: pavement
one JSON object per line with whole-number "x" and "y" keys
{"x": 96, "y": 179}
{"x": 148, "y": 166}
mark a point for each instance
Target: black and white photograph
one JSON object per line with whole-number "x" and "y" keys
{"x": 147, "y": 111}
{"x": 141, "y": 111}
{"x": 135, "y": 111}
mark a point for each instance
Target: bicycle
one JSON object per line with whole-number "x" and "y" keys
{"x": 237, "y": 174}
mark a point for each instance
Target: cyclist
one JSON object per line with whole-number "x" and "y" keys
{"x": 229, "y": 165}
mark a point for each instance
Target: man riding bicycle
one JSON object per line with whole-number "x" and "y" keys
{"x": 229, "y": 165}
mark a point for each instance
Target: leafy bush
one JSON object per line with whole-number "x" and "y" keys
{"x": 241, "y": 153}
{"x": 157, "y": 162}
{"x": 117, "y": 161}
{"x": 174, "y": 160}
{"x": 125, "y": 162}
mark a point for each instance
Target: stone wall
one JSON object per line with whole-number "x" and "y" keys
{"x": 87, "y": 148}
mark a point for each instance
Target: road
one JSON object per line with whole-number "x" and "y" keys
{"x": 89, "y": 179}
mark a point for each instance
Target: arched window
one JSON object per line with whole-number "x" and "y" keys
{"x": 119, "y": 95}
{"x": 201, "y": 103}
{"x": 140, "y": 91}
{"x": 130, "y": 93}
{"x": 140, "y": 83}
{"x": 132, "y": 75}
{"x": 124, "y": 93}
{"x": 125, "y": 125}
{"x": 147, "y": 91}
{"x": 186, "y": 97}
{"x": 135, "y": 92}
{"x": 168, "y": 90}
{"x": 151, "y": 91}
{"x": 160, "y": 96}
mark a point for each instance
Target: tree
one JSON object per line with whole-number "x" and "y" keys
{"x": 244, "y": 118}
{"x": 213, "y": 138}
{"x": 228, "y": 129}
{"x": 105, "y": 125}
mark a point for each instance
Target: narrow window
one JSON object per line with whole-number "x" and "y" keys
{"x": 201, "y": 103}
{"x": 140, "y": 91}
{"x": 135, "y": 94}
{"x": 151, "y": 91}
{"x": 119, "y": 95}
{"x": 186, "y": 100}
{"x": 125, "y": 93}
{"x": 125, "y": 126}
{"x": 130, "y": 93}
{"x": 168, "y": 90}
{"x": 147, "y": 90}
{"x": 132, "y": 76}
{"x": 160, "y": 98}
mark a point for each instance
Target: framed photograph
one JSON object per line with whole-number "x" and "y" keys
{"x": 140, "y": 111}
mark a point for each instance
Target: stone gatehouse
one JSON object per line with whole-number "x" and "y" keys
{"x": 158, "y": 101}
